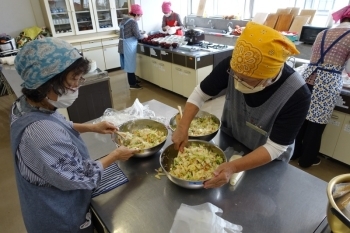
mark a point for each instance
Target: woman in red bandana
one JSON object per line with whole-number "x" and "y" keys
{"x": 171, "y": 19}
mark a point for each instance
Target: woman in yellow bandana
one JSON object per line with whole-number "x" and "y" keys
{"x": 266, "y": 100}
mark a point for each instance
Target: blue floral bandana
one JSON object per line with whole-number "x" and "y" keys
{"x": 40, "y": 60}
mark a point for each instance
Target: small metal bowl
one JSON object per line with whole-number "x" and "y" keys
{"x": 208, "y": 137}
{"x": 137, "y": 124}
{"x": 166, "y": 159}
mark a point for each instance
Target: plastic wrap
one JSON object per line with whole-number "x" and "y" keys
{"x": 136, "y": 111}
{"x": 202, "y": 218}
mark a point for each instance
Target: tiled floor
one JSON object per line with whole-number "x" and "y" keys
{"x": 10, "y": 215}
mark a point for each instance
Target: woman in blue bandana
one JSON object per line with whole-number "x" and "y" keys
{"x": 54, "y": 173}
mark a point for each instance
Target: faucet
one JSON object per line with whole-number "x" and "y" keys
{"x": 211, "y": 24}
{"x": 228, "y": 26}
{"x": 192, "y": 20}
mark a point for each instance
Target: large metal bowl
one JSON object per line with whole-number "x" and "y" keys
{"x": 137, "y": 124}
{"x": 208, "y": 137}
{"x": 166, "y": 159}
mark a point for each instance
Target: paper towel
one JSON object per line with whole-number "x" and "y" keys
{"x": 236, "y": 176}
{"x": 8, "y": 60}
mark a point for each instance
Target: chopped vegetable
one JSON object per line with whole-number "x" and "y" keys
{"x": 202, "y": 126}
{"x": 196, "y": 163}
{"x": 145, "y": 138}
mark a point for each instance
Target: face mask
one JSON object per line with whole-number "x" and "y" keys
{"x": 167, "y": 15}
{"x": 65, "y": 100}
{"x": 247, "y": 90}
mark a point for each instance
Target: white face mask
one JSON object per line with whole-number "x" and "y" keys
{"x": 65, "y": 100}
{"x": 167, "y": 15}
{"x": 247, "y": 90}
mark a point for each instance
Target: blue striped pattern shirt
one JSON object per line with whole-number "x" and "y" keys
{"x": 47, "y": 157}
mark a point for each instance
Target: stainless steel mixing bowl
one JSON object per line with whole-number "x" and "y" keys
{"x": 208, "y": 137}
{"x": 166, "y": 159}
{"x": 137, "y": 124}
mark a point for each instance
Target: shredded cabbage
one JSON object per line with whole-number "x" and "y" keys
{"x": 202, "y": 126}
{"x": 144, "y": 138}
{"x": 197, "y": 162}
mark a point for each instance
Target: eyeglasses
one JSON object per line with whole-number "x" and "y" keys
{"x": 79, "y": 81}
{"x": 244, "y": 83}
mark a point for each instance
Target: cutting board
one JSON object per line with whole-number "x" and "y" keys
{"x": 284, "y": 21}
{"x": 298, "y": 23}
{"x": 283, "y": 11}
{"x": 310, "y": 13}
{"x": 295, "y": 11}
{"x": 260, "y": 17}
{"x": 271, "y": 20}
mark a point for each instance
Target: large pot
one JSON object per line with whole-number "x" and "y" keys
{"x": 166, "y": 159}
{"x": 337, "y": 221}
{"x": 207, "y": 137}
{"x": 132, "y": 125}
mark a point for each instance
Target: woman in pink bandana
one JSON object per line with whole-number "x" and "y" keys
{"x": 171, "y": 19}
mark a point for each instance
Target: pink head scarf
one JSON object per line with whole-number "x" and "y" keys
{"x": 341, "y": 14}
{"x": 166, "y": 7}
{"x": 136, "y": 9}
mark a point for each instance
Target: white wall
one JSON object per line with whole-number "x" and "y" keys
{"x": 15, "y": 15}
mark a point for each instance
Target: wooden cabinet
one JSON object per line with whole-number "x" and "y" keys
{"x": 110, "y": 52}
{"x": 331, "y": 133}
{"x": 105, "y": 14}
{"x": 177, "y": 79}
{"x": 83, "y": 16}
{"x": 143, "y": 67}
{"x": 77, "y": 17}
{"x": 185, "y": 79}
{"x": 163, "y": 76}
{"x": 93, "y": 50}
{"x": 58, "y": 17}
{"x": 342, "y": 148}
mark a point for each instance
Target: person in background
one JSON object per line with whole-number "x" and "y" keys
{"x": 323, "y": 76}
{"x": 54, "y": 173}
{"x": 171, "y": 19}
{"x": 127, "y": 48}
{"x": 266, "y": 101}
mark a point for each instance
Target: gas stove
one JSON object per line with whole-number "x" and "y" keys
{"x": 207, "y": 46}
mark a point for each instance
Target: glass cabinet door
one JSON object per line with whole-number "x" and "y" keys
{"x": 60, "y": 17}
{"x": 83, "y": 15}
{"x": 122, "y": 9}
{"x": 105, "y": 19}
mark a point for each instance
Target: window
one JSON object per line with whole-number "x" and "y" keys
{"x": 243, "y": 10}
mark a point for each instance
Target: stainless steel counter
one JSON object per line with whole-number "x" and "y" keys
{"x": 274, "y": 198}
{"x": 199, "y": 53}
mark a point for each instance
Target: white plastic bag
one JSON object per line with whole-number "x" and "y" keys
{"x": 202, "y": 218}
{"x": 136, "y": 111}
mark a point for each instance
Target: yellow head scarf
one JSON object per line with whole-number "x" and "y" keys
{"x": 261, "y": 51}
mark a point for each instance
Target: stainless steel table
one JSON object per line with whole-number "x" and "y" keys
{"x": 274, "y": 198}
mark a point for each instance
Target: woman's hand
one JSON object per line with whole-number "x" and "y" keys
{"x": 123, "y": 153}
{"x": 222, "y": 176}
{"x": 180, "y": 138}
{"x": 104, "y": 127}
